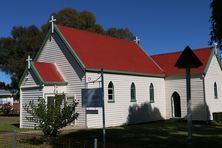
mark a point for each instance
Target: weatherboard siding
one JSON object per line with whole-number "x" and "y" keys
{"x": 30, "y": 91}
{"x": 122, "y": 110}
{"x": 178, "y": 84}
{"x": 213, "y": 74}
{"x": 29, "y": 80}
{"x": 27, "y": 95}
{"x": 55, "y": 51}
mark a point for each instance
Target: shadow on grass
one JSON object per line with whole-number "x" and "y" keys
{"x": 155, "y": 134}
{"x": 15, "y": 125}
{"x": 9, "y": 115}
{"x": 32, "y": 140}
{"x": 158, "y": 134}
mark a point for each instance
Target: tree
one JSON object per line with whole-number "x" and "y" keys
{"x": 52, "y": 116}
{"x": 26, "y": 41}
{"x": 4, "y": 86}
{"x": 216, "y": 22}
{"x": 120, "y": 33}
{"x": 7, "y": 108}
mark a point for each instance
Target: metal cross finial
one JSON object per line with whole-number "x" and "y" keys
{"x": 137, "y": 40}
{"x": 215, "y": 44}
{"x": 52, "y": 23}
{"x": 215, "y": 47}
{"x": 29, "y": 62}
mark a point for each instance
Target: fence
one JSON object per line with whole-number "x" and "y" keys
{"x": 25, "y": 140}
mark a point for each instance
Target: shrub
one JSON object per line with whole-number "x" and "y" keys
{"x": 51, "y": 117}
{"x": 7, "y": 108}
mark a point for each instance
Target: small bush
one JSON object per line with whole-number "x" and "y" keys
{"x": 52, "y": 116}
{"x": 7, "y": 108}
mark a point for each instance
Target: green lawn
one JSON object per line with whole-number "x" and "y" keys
{"x": 9, "y": 123}
{"x": 154, "y": 134}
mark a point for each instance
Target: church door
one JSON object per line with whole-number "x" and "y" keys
{"x": 176, "y": 106}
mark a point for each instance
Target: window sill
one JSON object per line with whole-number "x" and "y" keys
{"x": 152, "y": 102}
{"x": 132, "y": 100}
{"x": 111, "y": 101}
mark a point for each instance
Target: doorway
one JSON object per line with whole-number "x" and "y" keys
{"x": 176, "y": 105}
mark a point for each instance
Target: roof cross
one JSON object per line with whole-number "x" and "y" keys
{"x": 136, "y": 40}
{"x": 215, "y": 47}
{"x": 52, "y": 23}
{"x": 29, "y": 62}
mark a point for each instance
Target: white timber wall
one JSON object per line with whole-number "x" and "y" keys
{"x": 178, "y": 84}
{"x": 56, "y": 52}
{"x": 27, "y": 95}
{"x": 29, "y": 80}
{"x": 213, "y": 74}
{"x": 123, "y": 111}
{"x": 29, "y": 91}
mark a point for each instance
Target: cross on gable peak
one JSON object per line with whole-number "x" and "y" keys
{"x": 52, "y": 23}
{"x": 29, "y": 60}
{"x": 136, "y": 40}
{"x": 215, "y": 46}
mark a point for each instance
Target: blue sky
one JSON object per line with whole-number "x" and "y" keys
{"x": 162, "y": 25}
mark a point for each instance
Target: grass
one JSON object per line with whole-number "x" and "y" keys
{"x": 10, "y": 123}
{"x": 159, "y": 134}
{"x": 156, "y": 134}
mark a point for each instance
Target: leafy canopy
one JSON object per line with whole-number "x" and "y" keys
{"x": 216, "y": 22}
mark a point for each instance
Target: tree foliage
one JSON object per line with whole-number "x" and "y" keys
{"x": 216, "y": 22}
{"x": 26, "y": 41}
{"x": 52, "y": 117}
{"x": 122, "y": 33}
{"x": 7, "y": 108}
{"x": 4, "y": 86}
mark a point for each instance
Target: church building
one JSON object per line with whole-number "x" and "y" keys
{"x": 137, "y": 87}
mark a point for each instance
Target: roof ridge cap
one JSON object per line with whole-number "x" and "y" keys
{"x": 181, "y": 51}
{"x": 95, "y": 33}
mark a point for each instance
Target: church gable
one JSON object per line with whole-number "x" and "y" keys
{"x": 30, "y": 80}
{"x": 55, "y": 50}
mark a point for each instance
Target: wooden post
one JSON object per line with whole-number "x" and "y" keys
{"x": 188, "y": 60}
{"x": 14, "y": 139}
{"x": 95, "y": 143}
{"x": 189, "y": 113}
{"x": 103, "y": 111}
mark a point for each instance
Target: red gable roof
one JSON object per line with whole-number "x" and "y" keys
{"x": 98, "y": 51}
{"x": 167, "y": 61}
{"x": 48, "y": 72}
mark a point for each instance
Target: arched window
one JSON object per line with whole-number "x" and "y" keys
{"x": 151, "y": 93}
{"x": 215, "y": 90}
{"x": 133, "y": 92}
{"x": 110, "y": 92}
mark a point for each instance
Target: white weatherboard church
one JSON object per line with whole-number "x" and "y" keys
{"x": 137, "y": 87}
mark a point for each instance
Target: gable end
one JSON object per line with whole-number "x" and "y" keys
{"x": 209, "y": 61}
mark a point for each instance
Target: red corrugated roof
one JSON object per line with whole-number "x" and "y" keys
{"x": 98, "y": 51}
{"x": 167, "y": 61}
{"x": 48, "y": 72}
